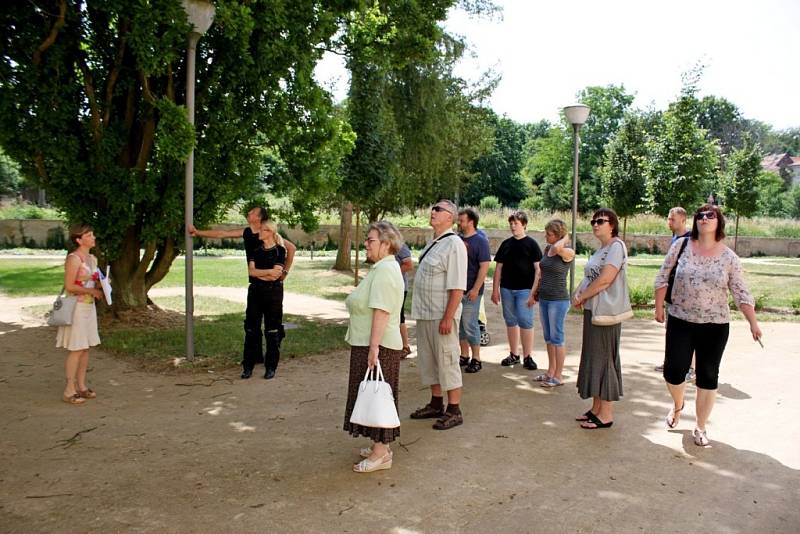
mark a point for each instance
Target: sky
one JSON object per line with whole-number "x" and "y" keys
{"x": 546, "y": 51}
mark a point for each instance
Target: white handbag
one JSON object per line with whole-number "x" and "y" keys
{"x": 63, "y": 310}
{"x": 374, "y": 406}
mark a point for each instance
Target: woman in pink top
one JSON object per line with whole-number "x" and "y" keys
{"x": 80, "y": 279}
{"x": 698, "y": 315}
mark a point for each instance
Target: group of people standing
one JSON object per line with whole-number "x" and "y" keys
{"x": 691, "y": 297}
{"x": 448, "y": 287}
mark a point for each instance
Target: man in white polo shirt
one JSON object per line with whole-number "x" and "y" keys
{"x": 439, "y": 285}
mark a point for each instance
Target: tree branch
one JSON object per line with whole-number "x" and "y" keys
{"x": 146, "y": 88}
{"x": 88, "y": 83}
{"x": 166, "y": 254}
{"x": 114, "y": 75}
{"x": 148, "y": 136}
{"x": 51, "y": 38}
{"x": 331, "y": 50}
{"x": 147, "y": 257}
{"x": 38, "y": 162}
{"x": 170, "y": 83}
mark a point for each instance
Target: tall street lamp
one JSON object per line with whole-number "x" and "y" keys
{"x": 576, "y": 115}
{"x": 200, "y": 14}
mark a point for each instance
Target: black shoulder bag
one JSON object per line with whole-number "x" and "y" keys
{"x": 671, "y": 279}
{"x": 425, "y": 253}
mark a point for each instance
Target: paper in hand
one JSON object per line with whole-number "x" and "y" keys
{"x": 106, "y": 285}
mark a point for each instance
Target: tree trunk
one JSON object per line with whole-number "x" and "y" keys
{"x": 130, "y": 276}
{"x": 736, "y": 235}
{"x": 624, "y": 228}
{"x": 345, "y": 224}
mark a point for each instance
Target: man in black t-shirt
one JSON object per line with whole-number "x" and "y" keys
{"x": 251, "y": 242}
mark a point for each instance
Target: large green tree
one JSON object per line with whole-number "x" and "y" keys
{"x": 682, "y": 162}
{"x": 497, "y": 173}
{"x": 623, "y": 171}
{"x": 739, "y": 182}
{"x": 549, "y": 164}
{"x": 91, "y": 96}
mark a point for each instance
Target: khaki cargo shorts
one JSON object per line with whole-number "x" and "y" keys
{"x": 437, "y": 355}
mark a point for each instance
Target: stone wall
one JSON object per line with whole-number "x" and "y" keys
{"x": 35, "y": 233}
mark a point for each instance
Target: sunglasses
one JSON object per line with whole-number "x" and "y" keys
{"x": 440, "y": 209}
{"x": 598, "y": 222}
{"x": 705, "y": 215}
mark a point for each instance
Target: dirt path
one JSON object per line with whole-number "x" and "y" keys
{"x": 212, "y": 453}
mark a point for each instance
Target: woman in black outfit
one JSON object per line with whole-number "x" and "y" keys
{"x": 264, "y": 302}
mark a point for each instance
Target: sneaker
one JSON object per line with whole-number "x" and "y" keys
{"x": 463, "y": 361}
{"x": 659, "y": 368}
{"x": 474, "y": 366}
{"x": 529, "y": 364}
{"x": 511, "y": 359}
{"x": 691, "y": 376}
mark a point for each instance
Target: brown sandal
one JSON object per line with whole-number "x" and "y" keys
{"x": 448, "y": 421}
{"x": 73, "y": 399}
{"x": 87, "y": 393}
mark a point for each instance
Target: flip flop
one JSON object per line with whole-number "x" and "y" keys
{"x": 593, "y": 419}
{"x": 674, "y": 416}
{"x": 584, "y": 417}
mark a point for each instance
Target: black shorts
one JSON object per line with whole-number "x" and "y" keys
{"x": 705, "y": 340}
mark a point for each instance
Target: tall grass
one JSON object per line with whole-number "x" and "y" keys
{"x": 648, "y": 224}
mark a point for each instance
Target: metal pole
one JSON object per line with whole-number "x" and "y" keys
{"x": 189, "y": 200}
{"x": 576, "y": 142}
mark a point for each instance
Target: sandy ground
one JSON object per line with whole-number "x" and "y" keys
{"x": 212, "y": 453}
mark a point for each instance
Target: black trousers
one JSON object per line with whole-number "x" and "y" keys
{"x": 706, "y": 340}
{"x": 264, "y": 304}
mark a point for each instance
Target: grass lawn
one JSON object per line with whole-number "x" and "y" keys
{"x": 775, "y": 282}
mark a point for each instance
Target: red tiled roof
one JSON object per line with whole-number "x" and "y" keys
{"x": 774, "y": 162}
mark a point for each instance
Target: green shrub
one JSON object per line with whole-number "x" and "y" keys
{"x": 640, "y": 296}
{"x": 531, "y": 204}
{"x": 490, "y": 203}
{"x": 796, "y": 304}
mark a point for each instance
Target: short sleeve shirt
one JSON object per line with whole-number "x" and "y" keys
{"x": 518, "y": 257}
{"x": 404, "y": 253}
{"x": 381, "y": 289}
{"x": 443, "y": 267}
{"x": 251, "y": 243}
{"x": 477, "y": 253}
{"x": 702, "y": 283}
{"x": 611, "y": 254}
{"x": 267, "y": 258}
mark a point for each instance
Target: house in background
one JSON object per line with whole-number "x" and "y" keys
{"x": 784, "y": 165}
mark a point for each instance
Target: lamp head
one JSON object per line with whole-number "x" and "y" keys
{"x": 577, "y": 114}
{"x": 200, "y": 14}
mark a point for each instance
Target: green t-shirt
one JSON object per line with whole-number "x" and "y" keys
{"x": 381, "y": 289}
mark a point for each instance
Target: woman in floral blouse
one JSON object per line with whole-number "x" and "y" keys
{"x": 698, "y": 315}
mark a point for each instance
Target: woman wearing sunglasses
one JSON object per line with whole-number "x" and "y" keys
{"x": 600, "y": 374}
{"x": 699, "y": 314}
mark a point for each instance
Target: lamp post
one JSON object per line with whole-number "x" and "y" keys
{"x": 200, "y": 14}
{"x": 576, "y": 115}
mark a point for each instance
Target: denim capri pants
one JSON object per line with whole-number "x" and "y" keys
{"x": 553, "y": 313}
{"x": 515, "y": 308}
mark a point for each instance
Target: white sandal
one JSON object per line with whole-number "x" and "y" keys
{"x": 366, "y": 452}
{"x": 700, "y": 438}
{"x": 367, "y": 466}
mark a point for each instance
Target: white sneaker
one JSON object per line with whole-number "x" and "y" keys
{"x": 691, "y": 376}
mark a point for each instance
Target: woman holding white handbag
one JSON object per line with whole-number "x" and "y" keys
{"x": 603, "y": 296}
{"x": 374, "y": 337}
{"x": 81, "y": 279}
